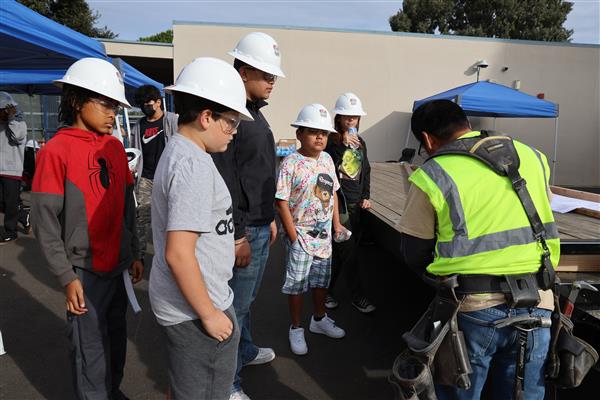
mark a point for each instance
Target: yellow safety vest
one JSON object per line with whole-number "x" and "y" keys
{"x": 481, "y": 225}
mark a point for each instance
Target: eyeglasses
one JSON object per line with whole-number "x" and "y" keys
{"x": 107, "y": 105}
{"x": 265, "y": 75}
{"x": 232, "y": 123}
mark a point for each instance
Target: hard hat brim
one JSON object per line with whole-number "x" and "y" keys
{"x": 244, "y": 113}
{"x": 313, "y": 126}
{"x": 75, "y": 82}
{"x": 268, "y": 68}
{"x": 343, "y": 112}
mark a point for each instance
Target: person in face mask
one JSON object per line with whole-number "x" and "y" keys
{"x": 149, "y": 135}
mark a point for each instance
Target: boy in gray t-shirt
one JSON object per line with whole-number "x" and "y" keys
{"x": 192, "y": 224}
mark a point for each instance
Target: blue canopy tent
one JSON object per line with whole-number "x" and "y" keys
{"x": 35, "y": 50}
{"x": 39, "y": 81}
{"x": 487, "y": 99}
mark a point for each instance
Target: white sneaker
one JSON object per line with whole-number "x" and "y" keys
{"x": 264, "y": 356}
{"x": 239, "y": 395}
{"x": 297, "y": 341}
{"x": 326, "y": 326}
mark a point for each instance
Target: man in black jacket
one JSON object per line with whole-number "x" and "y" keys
{"x": 248, "y": 168}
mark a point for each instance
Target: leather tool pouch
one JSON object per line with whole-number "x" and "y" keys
{"x": 523, "y": 291}
{"x": 436, "y": 345}
{"x": 570, "y": 358}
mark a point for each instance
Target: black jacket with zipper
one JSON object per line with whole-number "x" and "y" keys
{"x": 248, "y": 169}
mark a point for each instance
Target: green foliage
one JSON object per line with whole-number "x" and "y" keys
{"x": 76, "y": 14}
{"x": 161, "y": 37}
{"x": 510, "y": 19}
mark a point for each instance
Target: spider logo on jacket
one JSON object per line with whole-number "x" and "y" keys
{"x": 101, "y": 174}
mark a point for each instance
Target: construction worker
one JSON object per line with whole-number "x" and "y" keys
{"x": 462, "y": 217}
{"x": 149, "y": 135}
{"x": 248, "y": 168}
{"x": 83, "y": 215}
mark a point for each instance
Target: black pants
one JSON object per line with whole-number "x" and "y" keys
{"x": 10, "y": 196}
{"x": 99, "y": 338}
{"x": 345, "y": 254}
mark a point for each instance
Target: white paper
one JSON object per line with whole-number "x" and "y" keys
{"x": 564, "y": 204}
{"x": 130, "y": 293}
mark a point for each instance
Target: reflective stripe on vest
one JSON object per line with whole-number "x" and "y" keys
{"x": 461, "y": 245}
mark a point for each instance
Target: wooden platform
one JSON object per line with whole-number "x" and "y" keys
{"x": 388, "y": 195}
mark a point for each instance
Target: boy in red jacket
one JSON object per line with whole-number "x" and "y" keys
{"x": 83, "y": 215}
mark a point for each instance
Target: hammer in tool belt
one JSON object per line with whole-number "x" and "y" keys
{"x": 575, "y": 288}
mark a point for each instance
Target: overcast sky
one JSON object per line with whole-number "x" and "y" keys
{"x": 132, "y": 19}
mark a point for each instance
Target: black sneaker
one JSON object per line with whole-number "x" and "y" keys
{"x": 363, "y": 305}
{"x": 6, "y": 238}
{"x": 25, "y": 223}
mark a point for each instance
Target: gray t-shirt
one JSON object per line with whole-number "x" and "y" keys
{"x": 190, "y": 195}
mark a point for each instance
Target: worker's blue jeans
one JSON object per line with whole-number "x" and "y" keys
{"x": 495, "y": 350}
{"x": 245, "y": 284}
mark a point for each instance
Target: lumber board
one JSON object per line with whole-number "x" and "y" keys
{"x": 578, "y": 194}
{"x": 579, "y": 263}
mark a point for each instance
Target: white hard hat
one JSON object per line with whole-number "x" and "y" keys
{"x": 7, "y": 100}
{"x": 214, "y": 80}
{"x": 260, "y": 51}
{"x": 134, "y": 157}
{"x": 314, "y": 116}
{"x": 349, "y": 104}
{"x": 96, "y": 75}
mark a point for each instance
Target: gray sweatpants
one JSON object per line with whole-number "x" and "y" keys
{"x": 99, "y": 338}
{"x": 200, "y": 367}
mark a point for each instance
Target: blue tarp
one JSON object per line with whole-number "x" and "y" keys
{"x": 486, "y": 99}
{"x": 35, "y": 50}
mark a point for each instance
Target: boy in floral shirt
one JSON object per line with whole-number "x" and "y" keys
{"x": 307, "y": 206}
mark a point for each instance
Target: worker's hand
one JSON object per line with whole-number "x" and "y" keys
{"x": 243, "y": 254}
{"x": 136, "y": 271}
{"x": 218, "y": 325}
{"x": 365, "y": 204}
{"x": 351, "y": 140}
{"x": 75, "y": 299}
{"x": 273, "y": 233}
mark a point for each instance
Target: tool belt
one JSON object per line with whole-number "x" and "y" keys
{"x": 521, "y": 290}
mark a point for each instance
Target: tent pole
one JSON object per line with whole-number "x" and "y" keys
{"x": 494, "y": 124}
{"x": 30, "y": 119}
{"x": 555, "y": 149}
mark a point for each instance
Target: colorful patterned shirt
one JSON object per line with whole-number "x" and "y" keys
{"x": 308, "y": 185}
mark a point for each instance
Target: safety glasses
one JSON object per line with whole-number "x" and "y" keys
{"x": 265, "y": 75}
{"x": 230, "y": 122}
{"x": 107, "y": 105}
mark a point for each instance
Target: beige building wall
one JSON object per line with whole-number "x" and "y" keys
{"x": 389, "y": 71}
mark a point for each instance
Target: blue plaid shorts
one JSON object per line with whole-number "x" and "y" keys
{"x": 304, "y": 271}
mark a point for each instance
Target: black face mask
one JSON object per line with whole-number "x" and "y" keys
{"x": 148, "y": 110}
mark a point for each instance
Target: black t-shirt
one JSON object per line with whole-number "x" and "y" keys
{"x": 153, "y": 143}
{"x": 349, "y": 165}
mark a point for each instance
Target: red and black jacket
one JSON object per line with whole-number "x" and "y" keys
{"x": 82, "y": 207}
